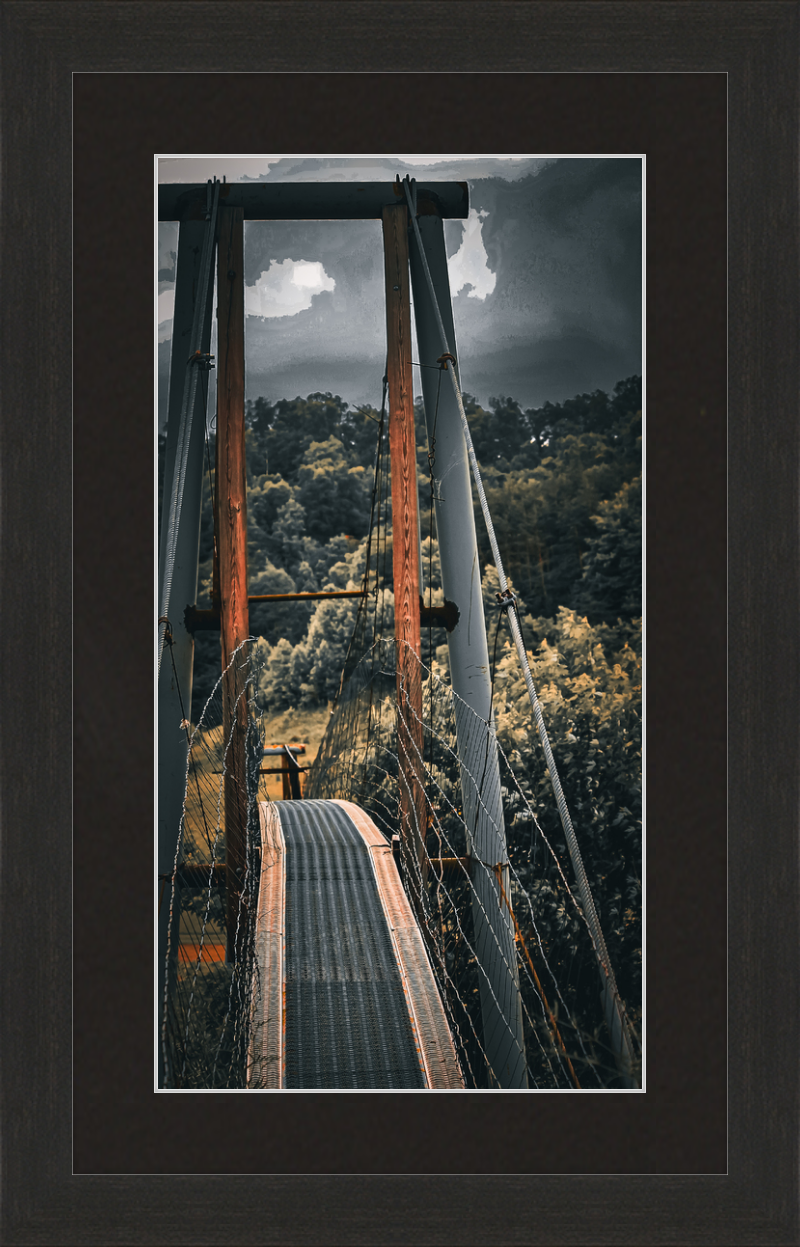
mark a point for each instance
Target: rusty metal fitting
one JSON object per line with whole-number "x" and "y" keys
{"x": 506, "y": 599}
{"x": 444, "y": 358}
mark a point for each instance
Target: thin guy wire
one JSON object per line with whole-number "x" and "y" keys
{"x": 566, "y": 821}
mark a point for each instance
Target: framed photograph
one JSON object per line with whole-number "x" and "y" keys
{"x": 445, "y": 320}
{"x": 708, "y": 94}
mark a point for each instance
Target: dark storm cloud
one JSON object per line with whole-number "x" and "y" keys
{"x": 565, "y": 314}
{"x": 337, "y": 344}
{"x": 563, "y": 240}
{"x": 386, "y": 168}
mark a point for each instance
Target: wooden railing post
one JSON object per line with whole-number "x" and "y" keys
{"x": 405, "y": 552}
{"x": 232, "y": 552}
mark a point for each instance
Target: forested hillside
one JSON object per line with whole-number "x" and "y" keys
{"x": 564, "y": 484}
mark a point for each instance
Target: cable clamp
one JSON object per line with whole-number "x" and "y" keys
{"x": 168, "y": 633}
{"x": 202, "y": 359}
{"x": 444, "y": 358}
{"x": 506, "y": 599}
{"x": 411, "y": 183}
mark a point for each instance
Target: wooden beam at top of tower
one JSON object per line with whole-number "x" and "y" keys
{"x": 310, "y": 201}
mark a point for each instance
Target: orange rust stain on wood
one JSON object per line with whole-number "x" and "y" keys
{"x": 232, "y": 538}
{"x": 405, "y": 540}
{"x": 231, "y": 479}
{"x": 402, "y": 441}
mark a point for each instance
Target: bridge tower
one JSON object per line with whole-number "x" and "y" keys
{"x": 467, "y": 642}
{"x": 179, "y": 549}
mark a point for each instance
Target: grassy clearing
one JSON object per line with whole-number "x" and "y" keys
{"x": 292, "y": 727}
{"x": 205, "y": 807}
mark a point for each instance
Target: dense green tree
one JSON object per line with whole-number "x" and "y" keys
{"x": 499, "y": 435}
{"x": 359, "y": 429}
{"x": 280, "y": 433}
{"x": 288, "y": 533}
{"x": 561, "y": 481}
{"x": 317, "y": 663}
{"x": 264, "y": 500}
{"x": 333, "y": 553}
{"x": 564, "y": 486}
{"x": 336, "y": 498}
{"x": 587, "y": 413}
{"x": 277, "y": 620}
{"x": 543, "y": 515}
{"x": 276, "y": 678}
{"x": 283, "y": 431}
{"x": 588, "y": 681}
{"x": 611, "y": 583}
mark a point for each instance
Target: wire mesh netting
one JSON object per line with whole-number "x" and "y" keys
{"x": 435, "y": 780}
{"x": 210, "y": 972}
{"x": 424, "y": 787}
{"x": 364, "y": 759}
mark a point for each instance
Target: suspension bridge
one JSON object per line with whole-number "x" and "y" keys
{"x": 371, "y": 929}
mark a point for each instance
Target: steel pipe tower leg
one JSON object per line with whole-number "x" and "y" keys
{"x": 175, "y": 675}
{"x": 468, "y": 650}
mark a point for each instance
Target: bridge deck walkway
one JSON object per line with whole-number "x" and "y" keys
{"x": 346, "y": 995}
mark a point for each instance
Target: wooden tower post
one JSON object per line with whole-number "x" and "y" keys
{"x": 232, "y": 553}
{"x": 405, "y": 552}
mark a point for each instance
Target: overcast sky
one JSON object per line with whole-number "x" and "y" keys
{"x": 546, "y": 276}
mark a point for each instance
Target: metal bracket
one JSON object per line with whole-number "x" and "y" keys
{"x": 506, "y": 599}
{"x": 195, "y": 620}
{"x": 411, "y": 183}
{"x": 446, "y": 616}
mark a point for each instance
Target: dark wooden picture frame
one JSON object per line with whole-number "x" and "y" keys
{"x": 90, "y": 1154}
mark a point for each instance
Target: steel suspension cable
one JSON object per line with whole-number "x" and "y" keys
{"x": 582, "y": 880}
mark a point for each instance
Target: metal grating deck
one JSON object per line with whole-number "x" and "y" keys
{"x": 347, "y": 1017}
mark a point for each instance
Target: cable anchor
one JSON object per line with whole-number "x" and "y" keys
{"x": 411, "y": 183}
{"x": 202, "y": 359}
{"x": 506, "y": 599}
{"x": 210, "y": 184}
{"x": 444, "y": 358}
